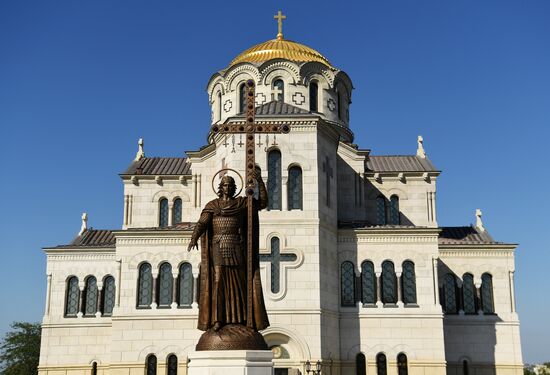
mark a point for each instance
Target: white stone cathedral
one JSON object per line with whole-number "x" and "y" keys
{"x": 358, "y": 276}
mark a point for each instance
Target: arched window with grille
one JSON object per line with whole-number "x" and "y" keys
{"x": 108, "y": 296}
{"x": 151, "y": 365}
{"x": 176, "y": 211}
{"x": 72, "y": 297}
{"x": 90, "y": 296}
{"x": 487, "y": 302}
{"x": 402, "y": 368}
{"x": 278, "y": 90}
{"x": 340, "y": 105}
{"x": 381, "y": 364}
{"x": 449, "y": 291}
{"x": 163, "y": 212}
{"x": 394, "y": 210}
{"x": 172, "y": 365}
{"x": 295, "y": 188}
{"x": 242, "y": 98}
{"x": 165, "y": 285}
{"x": 408, "y": 283}
{"x": 389, "y": 283}
{"x": 185, "y": 285}
{"x": 468, "y": 294}
{"x": 274, "y": 190}
{"x": 313, "y": 96}
{"x": 145, "y": 286}
{"x": 94, "y": 368}
{"x": 219, "y": 107}
{"x": 381, "y": 210}
{"x": 368, "y": 283}
{"x": 348, "y": 284}
{"x": 360, "y": 364}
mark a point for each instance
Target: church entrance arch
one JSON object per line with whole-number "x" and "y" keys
{"x": 289, "y": 351}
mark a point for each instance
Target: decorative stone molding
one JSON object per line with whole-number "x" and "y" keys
{"x": 153, "y": 241}
{"x": 235, "y": 71}
{"x": 227, "y": 105}
{"x": 271, "y": 66}
{"x": 312, "y": 68}
{"x": 298, "y": 98}
{"x": 331, "y": 104}
{"x": 260, "y": 99}
{"x": 366, "y": 238}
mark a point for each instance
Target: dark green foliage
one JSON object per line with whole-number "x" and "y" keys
{"x": 20, "y": 349}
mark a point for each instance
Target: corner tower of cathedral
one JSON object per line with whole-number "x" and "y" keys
{"x": 356, "y": 271}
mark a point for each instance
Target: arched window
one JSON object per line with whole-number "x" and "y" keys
{"x": 185, "y": 285}
{"x": 389, "y": 283}
{"x": 176, "y": 211}
{"x": 487, "y": 303}
{"x": 163, "y": 212}
{"x": 402, "y": 368}
{"x": 165, "y": 285}
{"x": 465, "y": 368}
{"x": 295, "y": 188}
{"x": 278, "y": 90}
{"x": 394, "y": 210}
{"x": 108, "y": 298}
{"x": 408, "y": 281}
{"x": 172, "y": 364}
{"x": 360, "y": 364}
{"x": 340, "y": 105}
{"x": 348, "y": 284}
{"x": 274, "y": 190}
{"x": 368, "y": 283}
{"x": 151, "y": 364}
{"x": 242, "y": 98}
{"x": 73, "y": 297}
{"x": 449, "y": 289}
{"x": 381, "y": 365}
{"x": 313, "y": 97}
{"x": 94, "y": 368}
{"x": 468, "y": 294}
{"x": 90, "y": 296}
{"x": 219, "y": 107}
{"x": 381, "y": 210}
{"x": 145, "y": 286}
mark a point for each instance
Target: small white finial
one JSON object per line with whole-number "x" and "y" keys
{"x": 84, "y": 225}
{"x": 140, "y": 154}
{"x": 420, "y": 150}
{"x": 479, "y": 223}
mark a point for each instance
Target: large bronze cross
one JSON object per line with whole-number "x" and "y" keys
{"x": 250, "y": 128}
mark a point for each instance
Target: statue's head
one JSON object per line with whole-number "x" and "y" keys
{"x": 227, "y": 186}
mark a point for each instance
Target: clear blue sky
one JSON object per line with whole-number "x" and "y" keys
{"x": 81, "y": 81}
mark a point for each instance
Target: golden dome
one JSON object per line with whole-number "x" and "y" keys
{"x": 280, "y": 49}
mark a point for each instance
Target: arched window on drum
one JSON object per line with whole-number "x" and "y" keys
{"x": 313, "y": 97}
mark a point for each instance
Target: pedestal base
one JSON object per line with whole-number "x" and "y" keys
{"x": 231, "y": 362}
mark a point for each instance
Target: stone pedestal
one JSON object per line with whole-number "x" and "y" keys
{"x": 231, "y": 362}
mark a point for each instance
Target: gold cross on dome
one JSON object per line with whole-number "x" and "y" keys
{"x": 280, "y": 17}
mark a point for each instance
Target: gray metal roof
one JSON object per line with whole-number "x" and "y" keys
{"x": 465, "y": 235}
{"x": 92, "y": 238}
{"x": 399, "y": 163}
{"x": 159, "y": 166}
{"x": 276, "y": 107}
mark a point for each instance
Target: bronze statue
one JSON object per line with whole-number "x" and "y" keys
{"x": 224, "y": 289}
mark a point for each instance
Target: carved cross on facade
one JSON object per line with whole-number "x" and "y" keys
{"x": 275, "y": 258}
{"x": 250, "y": 127}
{"x": 328, "y": 175}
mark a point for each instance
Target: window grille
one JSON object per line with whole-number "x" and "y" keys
{"x": 242, "y": 98}
{"x": 389, "y": 283}
{"x": 381, "y": 365}
{"x": 295, "y": 188}
{"x": 487, "y": 303}
{"x": 402, "y": 368}
{"x": 91, "y": 292}
{"x": 151, "y": 365}
{"x": 381, "y": 210}
{"x": 360, "y": 364}
{"x": 73, "y": 297}
{"x": 348, "y": 284}
{"x": 274, "y": 190}
{"x": 468, "y": 294}
{"x": 368, "y": 283}
{"x": 145, "y": 286}
{"x": 313, "y": 97}
{"x": 185, "y": 285}
{"x": 409, "y": 283}
{"x": 394, "y": 210}
{"x": 165, "y": 285}
{"x": 163, "y": 212}
{"x": 176, "y": 211}
{"x": 449, "y": 288}
{"x": 108, "y": 296}
{"x": 172, "y": 365}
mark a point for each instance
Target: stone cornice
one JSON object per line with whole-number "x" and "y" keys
{"x": 476, "y": 251}
{"x": 389, "y": 235}
{"x": 80, "y": 252}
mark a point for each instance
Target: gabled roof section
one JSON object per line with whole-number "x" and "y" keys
{"x": 159, "y": 166}
{"x": 399, "y": 163}
{"x": 465, "y": 235}
{"x": 92, "y": 238}
{"x": 276, "y": 107}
